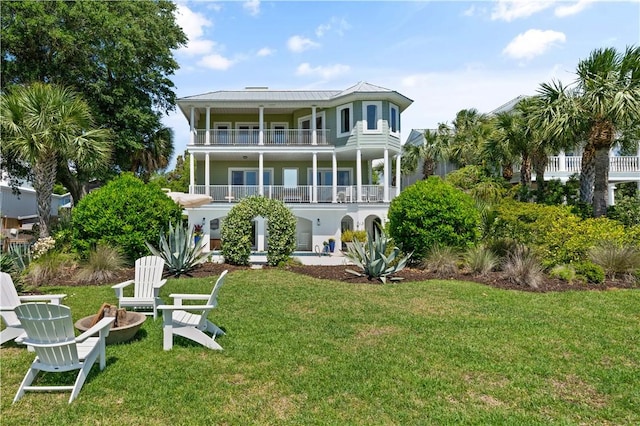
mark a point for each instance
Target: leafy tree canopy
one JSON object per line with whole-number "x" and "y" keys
{"x": 117, "y": 54}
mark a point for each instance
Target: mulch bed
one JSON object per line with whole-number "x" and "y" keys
{"x": 338, "y": 273}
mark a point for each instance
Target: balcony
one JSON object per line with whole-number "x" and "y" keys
{"x": 270, "y": 137}
{"x": 620, "y": 168}
{"x": 295, "y": 194}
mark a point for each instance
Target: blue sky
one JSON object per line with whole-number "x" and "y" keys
{"x": 445, "y": 55}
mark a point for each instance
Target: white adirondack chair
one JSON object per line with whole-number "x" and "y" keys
{"x": 146, "y": 285}
{"x": 49, "y": 330}
{"x": 178, "y": 319}
{"x": 9, "y": 299}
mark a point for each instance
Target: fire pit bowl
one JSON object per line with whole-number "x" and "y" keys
{"x": 119, "y": 334}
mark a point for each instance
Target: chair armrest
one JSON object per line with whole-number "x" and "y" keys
{"x": 122, "y": 284}
{"x": 178, "y": 298}
{"x": 103, "y": 325}
{"x": 184, "y": 307}
{"x": 160, "y": 284}
{"x": 53, "y": 298}
{"x": 119, "y": 288}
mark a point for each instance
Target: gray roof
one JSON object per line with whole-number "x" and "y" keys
{"x": 263, "y": 94}
{"x": 508, "y": 106}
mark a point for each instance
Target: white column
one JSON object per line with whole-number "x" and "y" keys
{"x": 398, "y": 174}
{"x": 192, "y": 173}
{"x": 207, "y": 174}
{"x": 370, "y": 173}
{"x": 192, "y": 126}
{"x": 562, "y": 160}
{"x": 334, "y": 178}
{"x": 207, "y": 137}
{"x": 315, "y": 178}
{"x": 261, "y": 173}
{"x": 611, "y": 199}
{"x": 260, "y": 228}
{"x": 261, "y": 131}
{"x": 314, "y": 133}
{"x": 387, "y": 176}
{"x": 359, "y": 175}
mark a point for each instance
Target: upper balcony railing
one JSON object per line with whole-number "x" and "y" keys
{"x": 572, "y": 164}
{"x": 295, "y": 194}
{"x": 269, "y": 137}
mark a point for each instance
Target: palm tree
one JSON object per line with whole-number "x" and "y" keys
{"x": 470, "y": 129}
{"x": 510, "y": 144}
{"x": 603, "y": 104}
{"x": 429, "y": 154}
{"x": 44, "y": 124}
{"x": 154, "y": 154}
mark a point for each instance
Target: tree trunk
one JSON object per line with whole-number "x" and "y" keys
{"x": 44, "y": 177}
{"x": 525, "y": 171}
{"x": 600, "y": 193}
{"x": 540, "y": 161}
{"x": 587, "y": 174}
{"x": 507, "y": 172}
{"x": 428, "y": 167}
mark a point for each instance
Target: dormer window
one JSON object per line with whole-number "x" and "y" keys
{"x": 372, "y": 113}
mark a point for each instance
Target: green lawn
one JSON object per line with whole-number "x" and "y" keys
{"x": 301, "y": 351}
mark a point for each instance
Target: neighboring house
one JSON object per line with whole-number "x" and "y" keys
{"x": 561, "y": 166}
{"x": 21, "y": 210}
{"x": 312, "y": 149}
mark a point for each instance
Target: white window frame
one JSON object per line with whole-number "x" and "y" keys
{"x": 339, "y": 110}
{"x": 397, "y": 114}
{"x": 254, "y": 126}
{"x": 285, "y": 136}
{"x": 309, "y": 117}
{"x": 284, "y": 182}
{"x": 249, "y": 169}
{"x": 229, "y": 136}
{"x": 329, "y": 169}
{"x": 378, "y": 128}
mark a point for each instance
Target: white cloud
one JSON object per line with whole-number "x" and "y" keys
{"x": 193, "y": 25}
{"x": 470, "y": 11}
{"x": 326, "y": 72}
{"x": 533, "y": 43}
{"x": 252, "y": 6}
{"x": 508, "y": 10}
{"x": 299, "y": 44}
{"x": 216, "y": 62}
{"x": 339, "y": 25}
{"x": 265, "y": 51}
{"x": 572, "y": 9}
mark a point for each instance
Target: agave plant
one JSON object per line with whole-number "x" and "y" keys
{"x": 372, "y": 258}
{"x": 179, "y": 251}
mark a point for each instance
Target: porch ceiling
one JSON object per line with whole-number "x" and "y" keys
{"x": 252, "y": 155}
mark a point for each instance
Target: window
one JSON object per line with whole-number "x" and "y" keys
{"x": 279, "y": 133}
{"x": 249, "y": 177}
{"x": 221, "y": 134}
{"x": 248, "y": 133}
{"x": 372, "y": 113}
{"x": 325, "y": 177}
{"x": 290, "y": 178}
{"x": 304, "y": 123}
{"x": 345, "y": 119}
{"x": 394, "y": 119}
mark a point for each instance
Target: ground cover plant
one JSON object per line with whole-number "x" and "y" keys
{"x": 300, "y": 350}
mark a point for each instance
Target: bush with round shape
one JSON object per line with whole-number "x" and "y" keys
{"x": 236, "y": 230}
{"x": 589, "y": 272}
{"x": 125, "y": 213}
{"x": 433, "y": 212}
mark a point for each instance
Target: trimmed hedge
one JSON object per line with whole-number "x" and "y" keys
{"x": 236, "y": 230}
{"x": 433, "y": 212}
{"x": 125, "y": 213}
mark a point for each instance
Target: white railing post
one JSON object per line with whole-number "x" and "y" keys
{"x": 207, "y": 173}
{"x": 387, "y": 176}
{"x": 314, "y": 198}
{"x": 261, "y": 174}
{"x": 562, "y": 162}
{"x": 398, "y": 174}
{"x": 192, "y": 126}
{"x": 314, "y": 134}
{"x": 207, "y": 137}
{"x": 261, "y": 131}
{"x": 359, "y": 175}
{"x": 334, "y": 177}
{"x": 192, "y": 170}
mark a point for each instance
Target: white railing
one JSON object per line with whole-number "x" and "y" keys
{"x": 295, "y": 194}
{"x": 269, "y": 137}
{"x": 573, "y": 164}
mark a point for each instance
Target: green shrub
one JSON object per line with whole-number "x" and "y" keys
{"x": 564, "y": 272}
{"x": 615, "y": 258}
{"x": 432, "y": 211}
{"x": 558, "y": 235}
{"x": 178, "y": 249}
{"x": 466, "y": 177}
{"x": 589, "y": 272}
{"x": 442, "y": 260}
{"x": 626, "y": 211}
{"x": 101, "y": 266}
{"x": 125, "y": 214}
{"x": 236, "y": 230}
{"x": 349, "y": 236}
{"x": 377, "y": 258}
{"x": 481, "y": 259}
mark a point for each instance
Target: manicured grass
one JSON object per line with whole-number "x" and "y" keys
{"x": 304, "y": 351}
